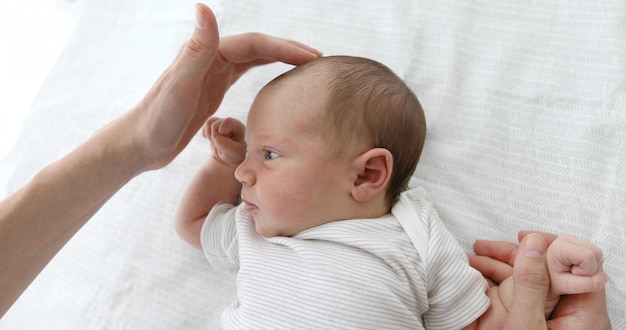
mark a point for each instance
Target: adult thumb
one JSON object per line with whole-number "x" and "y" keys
{"x": 532, "y": 282}
{"x": 198, "y": 53}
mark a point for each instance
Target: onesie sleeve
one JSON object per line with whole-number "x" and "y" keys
{"x": 218, "y": 237}
{"x": 456, "y": 291}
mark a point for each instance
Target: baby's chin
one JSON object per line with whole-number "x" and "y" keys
{"x": 262, "y": 230}
{"x": 268, "y": 232}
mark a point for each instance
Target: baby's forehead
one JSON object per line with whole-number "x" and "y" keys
{"x": 301, "y": 96}
{"x": 308, "y": 86}
{"x": 306, "y": 76}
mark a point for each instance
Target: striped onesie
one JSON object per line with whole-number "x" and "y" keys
{"x": 350, "y": 274}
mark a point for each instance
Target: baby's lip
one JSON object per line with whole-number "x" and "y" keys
{"x": 249, "y": 207}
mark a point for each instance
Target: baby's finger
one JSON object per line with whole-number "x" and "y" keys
{"x": 206, "y": 131}
{"x": 232, "y": 128}
{"x": 575, "y": 266}
{"x": 214, "y": 128}
{"x": 594, "y": 263}
{"x": 567, "y": 283}
{"x": 229, "y": 150}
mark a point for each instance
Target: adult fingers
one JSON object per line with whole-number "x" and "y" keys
{"x": 532, "y": 282}
{"x": 493, "y": 270}
{"x": 549, "y": 237}
{"x": 197, "y": 54}
{"x": 179, "y": 87}
{"x": 499, "y": 250}
{"x": 493, "y": 259}
{"x": 502, "y": 251}
{"x": 251, "y": 47}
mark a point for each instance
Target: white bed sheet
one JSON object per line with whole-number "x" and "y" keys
{"x": 30, "y": 51}
{"x": 525, "y": 103}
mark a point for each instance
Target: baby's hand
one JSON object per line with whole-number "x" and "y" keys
{"x": 575, "y": 266}
{"x": 227, "y": 139}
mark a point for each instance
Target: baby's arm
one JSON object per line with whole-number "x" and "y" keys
{"x": 215, "y": 181}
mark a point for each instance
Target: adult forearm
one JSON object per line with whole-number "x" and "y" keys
{"x": 37, "y": 220}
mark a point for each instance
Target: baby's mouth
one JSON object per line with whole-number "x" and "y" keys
{"x": 249, "y": 207}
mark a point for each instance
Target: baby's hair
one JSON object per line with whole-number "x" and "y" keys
{"x": 369, "y": 104}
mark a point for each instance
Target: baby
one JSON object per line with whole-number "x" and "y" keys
{"x": 311, "y": 202}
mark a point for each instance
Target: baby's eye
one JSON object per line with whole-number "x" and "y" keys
{"x": 269, "y": 155}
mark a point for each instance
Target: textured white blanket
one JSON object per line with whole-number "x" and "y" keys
{"x": 525, "y": 102}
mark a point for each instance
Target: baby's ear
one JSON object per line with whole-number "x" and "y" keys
{"x": 373, "y": 169}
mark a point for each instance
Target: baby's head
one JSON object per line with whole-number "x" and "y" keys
{"x": 337, "y": 138}
{"x": 370, "y": 104}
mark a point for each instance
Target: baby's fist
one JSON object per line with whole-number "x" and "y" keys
{"x": 575, "y": 266}
{"x": 227, "y": 139}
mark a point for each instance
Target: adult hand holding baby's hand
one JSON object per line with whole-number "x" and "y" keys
{"x": 498, "y": 260}
{"x": 227, "y": 139}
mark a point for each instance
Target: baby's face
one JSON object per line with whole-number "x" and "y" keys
{"x": 289, "y": 184}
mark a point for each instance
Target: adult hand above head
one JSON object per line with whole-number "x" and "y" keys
{"x": 193, "y": 87}
{"x": 37, "y": 220}
{"x": 527, "y": 263}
